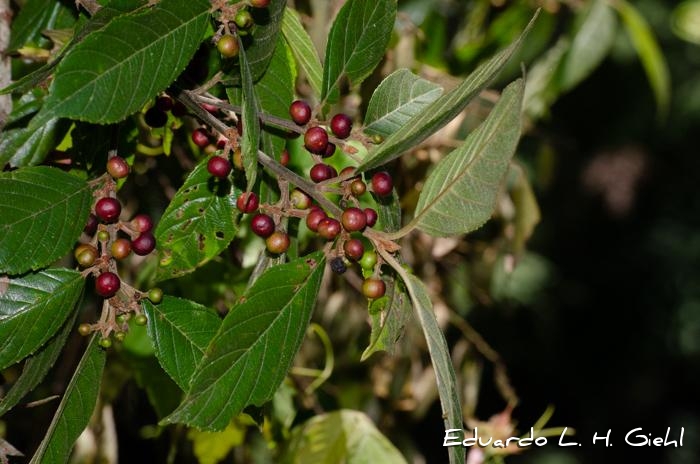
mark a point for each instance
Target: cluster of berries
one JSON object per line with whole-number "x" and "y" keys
{"x": 240, "y": 24}
{"x": 105, "y": 246}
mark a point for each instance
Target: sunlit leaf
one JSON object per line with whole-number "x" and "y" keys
{"x": 251, "y": 124}
{"x": 76, "y": 407}
{"x": 44, "y": 211}
{"x": 357, "y": 42}
{"x": 303, "y": 48}
{"x": 459, "y": 195}
{"x": 249, "y": 357}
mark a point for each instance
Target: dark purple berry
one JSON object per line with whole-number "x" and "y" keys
{"x": 330, "y": 150}
{"x": 341, "y": 125}
{"x": 219, "y": 167}
{"x": 300, "y": 111}
{"x": 143, "y": 244}
{"x": 314, "y": 217}
{"x": 353, "y": 219}
{"x": 338, "y": 266}
{"x": 108, "y": 209}
{"x": 247, "y": 202}
{"x": 316, "y": 140}
{"x": 91, "y": 225}
{"x": 329, "y": 228}
{"x": 107, "y": 284}
{"x": 371, "y": 216}
{"x": 165, "y": 103}
{"x": 354, "y": 249}
{"x": 155, "y": 117}
{"x": 320, "y": 172}
{"x": 142, "y": 223}
{"x": 262, "y": 225}
{"x": 382, "y": 184}
{"x": 200, "y": 137}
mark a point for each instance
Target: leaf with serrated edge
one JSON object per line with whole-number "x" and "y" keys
{"x": 356, "y": 44}
{"x": 251, "y": 124}
{"x": 340, "y": 436}
{"x": 303, "y": 49}
{"x": 44, "y": 212}
{"x": 25, "y": 146}
{"x": 442, "y": 363}
{"x": 155, "y": 45}
{"x": 76, "y": 407}
{"x": 36, "y": 367}
{"x": 198, "y": 224}
{"x": 460, "y": 194}
{"x": 180, "y": 330}
{"x": 250, "y": 355}
{"x": 32, "y": 308}
{"x": 400, "y": 96}
{"x": 442, "y": 110}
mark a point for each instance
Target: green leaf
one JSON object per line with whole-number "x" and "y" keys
{"x": 527, "y": 211}
{"x": 29, "y": 145}
{"x": 36, "y": 367}
{"x": 267, "y": 27}
{"x": 44, "y": 212}
{"x": 198, "y": 224}
{"x": 251, "y": 133}
{"x": 32, "y": 308}
{"x": 356, "y": 44}
{"x": 649, "y": 53}
{"x": 76, "y": 407}
{"x": 340, "y": 436}
{"x": 303, "y": 49}
{"x": 400, "y": 96}
{"x": 593, "y": 37}
{"x": 460, "y": 194}
{"x": 442, "y": 363}
{"x": 212, "y": 447}
{"x": 180, "y": 330}
{"x": 388, "y": 317}
{"x": 442, "y": 110}
{"x": 34, "y": 17}
{"x": 250, "y": 355}
{"x": 155, "y": 45}
{"x": 163, "y": 394}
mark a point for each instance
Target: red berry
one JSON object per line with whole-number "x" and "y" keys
{"x": 358, "y": 187}
{"x": 316, "y": 140}
{"x": 354, "y": 249}
{"x": 300, "y": 111}
{"x": 143, "y": 244}
{"x": 330, "y": 150}
{"x": 91, "y": 225}
{"x": 155, "y": 117}
{"x": 329, "y": 228}
{"x": 108, "y": 209}
{"x": 320, "y": 172}
{"x": 247, "y": 202}
{"x": 219, "y": 167}
{"x": 107, "y": 284}
{"x": 277, "y": 242}
{"x": 314, "y": 217}
{"x": 117, "y": 167}
{"x": 341, "y": 125}
{"x": 371, "y": 216}
{"x": 284, "y": 158}
{"x": 142, "y": 223}
{"x": 121, "y": 248}
{"x": 382, "y": 184}
{"x": 200, "y": 137}
{"x": 259, "y": 3}
{"x": 262, "y": 225}
{"x": 353, "y": 219}
{"x": 164, "y": 103}
{"x": 373, "y": 287}
{"x": 228, "y": 46}
{"x": 213, "y": 109}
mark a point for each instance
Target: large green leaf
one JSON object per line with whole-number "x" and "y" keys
{"x": 440, "y": 357}
{"x": 25, "y": 146}
{"x": 649, "y": 53}
{"x": 75, "y": 409}
{"x": 345, "y": 436}
{"x": 356, "y": 44}
{"x": 303, "y": 49}
{"x": 34, "y": 17}
{"x": 460, "y": 194}
{"x": 180, "y": 330}
{"x": 267, "y": 26}
{"x": 198, "y": 224}
{"x": 442, "y": 110}
{"x": 399, "y": 97}
{"x": 36, "y": 367}
{"x": 250, "y": 355}
{"x": 44, "y": 211}
{"x": 151, "y": 47}
{"x": 32, "y": 308}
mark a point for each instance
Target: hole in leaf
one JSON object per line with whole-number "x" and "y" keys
{"x": 200, "y": 242}
{"x": 219, "y": 234}
{"x": 179, "y": 214}
{"x": 200, "y": 210}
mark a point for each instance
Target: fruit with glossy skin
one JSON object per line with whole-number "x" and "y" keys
{"x": 107, "y": 284}
{"x": 121, "y": 248}
{"x": 105, "y": 343}
{"x": 338, "y": 266}
{"x": 155, "y": 295}
{"x": 243, "y": 19}
{"x": 117, "y": 167}
{"x": 316, "y": 140}
{"x": 314, "y": 217}
{"x": 371, "y": 216}
{"x": 219, "y": 167}
{"x": 354, "y": 249}
{"x": 320, "y": 172}
{"x": 91, "y": 225}
{"x": 262, "y": 225}
{"x": 155, "y": 117}
{"x": 300, "y": 112}
{"x": 103, "y": 236}
{"x": 228, "y": 46}
{"x": 329, "y": 228}
{"x": 200, "y": 137}
{"x": 141, "y": 319}
{"x": 329, "y": 151}
{"x": 277, "y": 243}
{"x": 247, "y": 202}
{"x": 143, "y": 244}
{"x": 165, "y": 103}
{"x": 142, "y": 223}
{"x": 358, "y": 187}
{"x": 84, "y": 329}
{"x": 284, "y": 157}
{"x": 368, "y": 260}
{"x": 85, "y": 254}
{"x": 341, "y": 125}
{"x": 373, "y": 287}
{"x": 299, "y": 199}
{"x": 108, "y": 209}
{"x": 382, "y": 183}
{"x": 353, "y": 219}
{"x": 259, "y": 3}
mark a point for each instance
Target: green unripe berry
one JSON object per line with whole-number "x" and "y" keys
{"x": 141, "y": 319}
{"x": 155, "y": 295}
{"x": 244, "y": 19}
{"x": 368, "y": 260}
{"x": 373, "y": 288}
{"x": 85, "y": 254}
{"x": 228, "y": 46}
{"x": 119, "y": 336}
{"x": 105, "y": 343}
{"x": 103, "y": 236}
{"x": 84, "y": 329}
